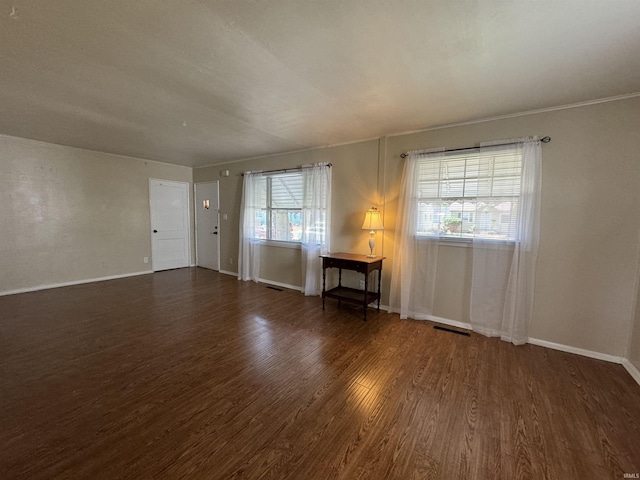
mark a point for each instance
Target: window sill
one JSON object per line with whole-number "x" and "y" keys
{"x": 456, "y": 242}
{"x": 281, "y": 244}
{"x": 468, "y": 242}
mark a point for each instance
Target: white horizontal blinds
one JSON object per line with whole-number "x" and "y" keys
{"x": 259, "y": 208}
{"x": 286, "y": 190}
{"x": 315, "y": 208}
{"x": 499, "y": 200}
{"x": 261, "y": 191}
{"x": 469, "y": 194}
{"x": 429, "y": 210}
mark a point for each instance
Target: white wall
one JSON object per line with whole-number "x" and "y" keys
{"x": 69, "y": 214}
{"x": 585, "y": 289}
{"x": 634, "y": 341}
{"x": 590, "y": 221}
{"x": 354, "y": 188}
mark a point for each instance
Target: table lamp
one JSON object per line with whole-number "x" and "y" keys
{"x": 372, "y": 222}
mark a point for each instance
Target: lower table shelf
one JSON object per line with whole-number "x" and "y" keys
{"x": 352, "y": 295}
{"x": 359, "y": 263}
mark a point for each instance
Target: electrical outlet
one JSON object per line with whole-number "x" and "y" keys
{"x": 361, "y": 284}
{"x": 224, "y": 216}
{"x": 230, "y": 261}
{"x": 145, "y": 259}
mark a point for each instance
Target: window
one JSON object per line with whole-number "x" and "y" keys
{"x": 469, "y": 194}
{"x": 280, "y": 214}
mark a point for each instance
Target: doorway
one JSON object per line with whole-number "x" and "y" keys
{"x": 207, "y": 223}
{"x": 170, "y": 239}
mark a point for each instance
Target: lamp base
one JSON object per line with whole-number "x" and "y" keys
{"x": 372, "y": 243}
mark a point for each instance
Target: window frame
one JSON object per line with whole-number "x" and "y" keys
{"x": 467, "y": 240}
{"x": 269, "y": 209}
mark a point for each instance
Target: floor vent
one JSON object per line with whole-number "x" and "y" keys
{"x": 275, "y": 288}
{"x": 466, "y": 334}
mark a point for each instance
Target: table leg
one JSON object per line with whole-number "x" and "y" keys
{"x": 339, "y": 283}
{"x": 324, "y": 284}
{"x": 366, "y": 290}
{"x": 379, "y": 280}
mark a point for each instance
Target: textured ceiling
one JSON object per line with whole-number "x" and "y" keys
{"x": 202, "y": 82}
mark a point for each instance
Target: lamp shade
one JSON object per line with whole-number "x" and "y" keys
{"x": 372, "y": 220}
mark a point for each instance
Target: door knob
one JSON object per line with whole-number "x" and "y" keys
{"x": 155, "y": 231}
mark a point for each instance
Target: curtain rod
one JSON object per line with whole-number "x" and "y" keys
{"x": 546, "y": 139}
{"x": 284, "y": 170}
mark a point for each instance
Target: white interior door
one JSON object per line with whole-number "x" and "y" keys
{"x": 207, "y": 231}
{"x": 170, "y": 243}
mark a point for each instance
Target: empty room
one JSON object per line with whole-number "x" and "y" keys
{"x": 293, "y": 239}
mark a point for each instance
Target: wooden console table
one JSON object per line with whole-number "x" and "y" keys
{"x": 358, "y": 263}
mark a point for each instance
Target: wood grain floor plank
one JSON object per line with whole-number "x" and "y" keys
{"x": 192, "y": 374}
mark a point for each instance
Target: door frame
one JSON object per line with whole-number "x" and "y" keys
{"x": 195, "y": 216}
{"x": 188, "y": 212}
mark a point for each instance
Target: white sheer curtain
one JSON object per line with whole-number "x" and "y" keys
{"x": 253, "y": 194}
{"x": 502, "y": 286}
{"x": 316, "y": 222}
{"x": 413, "y": 273}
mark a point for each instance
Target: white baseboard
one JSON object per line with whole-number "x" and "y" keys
{"x": 451, "y": 323}
{"x": 631, "y": 368}
{"x": 268, "y": 282}
{"x": 534, "y": 341}
{"x": 75, "y": 282}
{"x": 578, "y": 351}
{"x": 433, "y": 318}
{"x": 279, "y": 284}
{"x": 227, "y": 272}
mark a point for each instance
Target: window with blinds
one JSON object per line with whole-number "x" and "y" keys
{"x": 469, "y": 194}
{"x": 280, "y": 216}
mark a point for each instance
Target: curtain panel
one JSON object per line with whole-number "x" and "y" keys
{"x": 315, "y": 210}
{"x": 501, "y": 219}
{"x": 503, "y": 282}
{"x": 250, "y": 207}
{"x": 316, "y": 222}
{"x": 413, "y": 272}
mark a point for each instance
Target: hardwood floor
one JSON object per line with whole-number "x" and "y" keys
{"x": 192, "y": 374}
